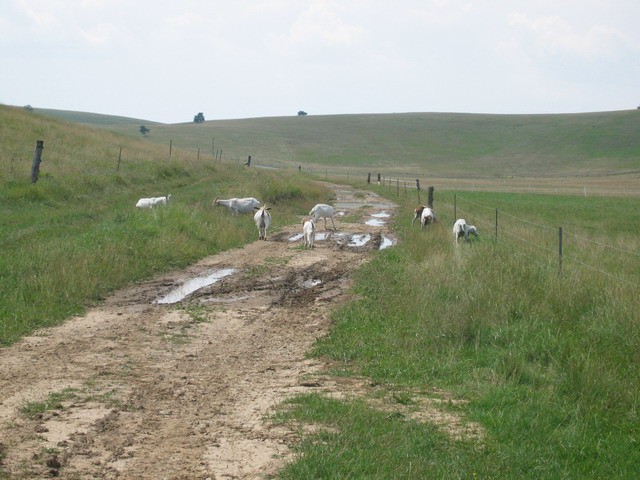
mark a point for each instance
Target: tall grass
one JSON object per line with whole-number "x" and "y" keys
{"x": 550, "y": 363}
{"x": 74, "y": 236}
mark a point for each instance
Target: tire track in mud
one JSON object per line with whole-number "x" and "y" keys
{"x": 181, "y": 390}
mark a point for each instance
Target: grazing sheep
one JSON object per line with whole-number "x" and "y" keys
{"x": 239, "y": 205}
{"x": 309, "y": 233}
{"x": 153, "y": 201}
{"x": 462, "y": 229}
{"x": 322, "y": 210}
{"x": 263, "y": 221}
{"x": 417, "y": 213}
{"x": 427, "y": 217}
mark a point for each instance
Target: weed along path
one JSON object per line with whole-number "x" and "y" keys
{"x": 173, "y": 378}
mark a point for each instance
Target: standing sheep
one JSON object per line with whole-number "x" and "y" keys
{"x": 309, "y": 233}
{"x": 238, "y": 205}
{"x": 263, "y": 221}
{"x": 427, "y": 217}
{"x": 462, "y": 229}
{"x": 322, "y": 210}
{"x": 152, "y": 201}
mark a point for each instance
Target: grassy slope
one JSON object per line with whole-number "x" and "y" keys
{"x": 548, "y": 363}
{"x": 444, "y": 144}
{"x": 74, "y": 236}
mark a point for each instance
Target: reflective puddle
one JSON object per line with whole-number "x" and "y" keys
{"x": 359, "y": 240}
{"x": 386, "y": 243}
{"x": 194, "y": 284}
{"x": 311, "y": 283}
{"x": 375, "y": 222}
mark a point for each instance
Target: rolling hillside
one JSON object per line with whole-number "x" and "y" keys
{"x": 441, "y": 144}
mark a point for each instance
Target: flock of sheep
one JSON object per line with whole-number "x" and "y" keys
{"x": 460, "y": 228}
{"x": 262, "y": 217}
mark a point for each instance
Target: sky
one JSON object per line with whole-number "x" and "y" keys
{"x": 166, "y": 61}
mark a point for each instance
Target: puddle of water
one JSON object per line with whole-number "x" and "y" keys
{"x": 359, "y": 240}
{"x": 194, "y": 284}
{"x": 381, "y": 215}
{"x": 386, "y": 243}
{"x": 311, "y": 283}
{"x": 374, "y": 222}
{"x": 296, "y": 237}
{"x": 322, "y": 236}
{"x": 354, "y": 205}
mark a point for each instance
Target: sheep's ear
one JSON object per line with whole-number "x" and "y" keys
{"x": 268, "y": 208}
{"x": 256, "y": 208}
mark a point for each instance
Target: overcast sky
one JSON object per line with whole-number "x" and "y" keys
{"x": 167, "y": 60}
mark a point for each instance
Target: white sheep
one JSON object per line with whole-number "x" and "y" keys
{"x": 322, "y": 210}
{"x": 309, "y": 233}
{"x": 239, "y": 205}
{"x": 427, "y": 217}
{"x": 153, "y": 201}
{"x": 263, "y": 221}
{"x": 462, "y": 229}
{"x": 417, "y": 213}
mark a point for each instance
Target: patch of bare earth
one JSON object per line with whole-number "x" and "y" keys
{"x": 181, "y": 390}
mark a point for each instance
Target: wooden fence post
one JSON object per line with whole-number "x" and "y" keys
{"x": 170, "y": 147}
{"x": 496, "y": 225}
{"x": 378, "y": 179}
{"x": 455, "y": 207}
{"x": 418, "y": 189}
{"x": 119, "y": 159}
{"x": 369, "y": 178}
{"x": 430, "y": 197}
{"x": 560, "y": 250}
{"x": 198, "y": 158}
{"x": 37, "y": 158}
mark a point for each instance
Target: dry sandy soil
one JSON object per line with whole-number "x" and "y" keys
{"x": 183, "y": 390}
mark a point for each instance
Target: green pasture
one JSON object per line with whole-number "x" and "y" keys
{"x": 540, "y": 365}
{"x": 547, "y": 363}
{"x": 440, "y": 144}
{"x": 74, "y": 236}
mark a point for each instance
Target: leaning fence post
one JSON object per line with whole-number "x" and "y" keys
{"x": 560, "y": 250}
{"x": 37, "y": 158}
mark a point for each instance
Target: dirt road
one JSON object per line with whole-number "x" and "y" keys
{"x": 138, "y": 389}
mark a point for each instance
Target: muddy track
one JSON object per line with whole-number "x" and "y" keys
{"x": 180, "y": 390}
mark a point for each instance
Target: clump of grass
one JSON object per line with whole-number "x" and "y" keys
{"x": 54, "y": 401}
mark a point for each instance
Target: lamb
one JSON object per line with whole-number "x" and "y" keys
{"x": 427, "y": 217}
{"x": 322, "y": 210}
{"x": 309, "y": 233}
{"x": 263, "y": 220}
{"x": 462, "y": 229}
{"x": 153, "y": 201}
{"x": 417, "y": 213}
{"x": 239, "y": 205}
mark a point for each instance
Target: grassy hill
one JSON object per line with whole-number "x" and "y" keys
{"x": 442, "y": 144}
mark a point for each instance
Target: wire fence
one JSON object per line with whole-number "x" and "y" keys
{"x": 556, "y": 244}
{"x": 535, "y": 236}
